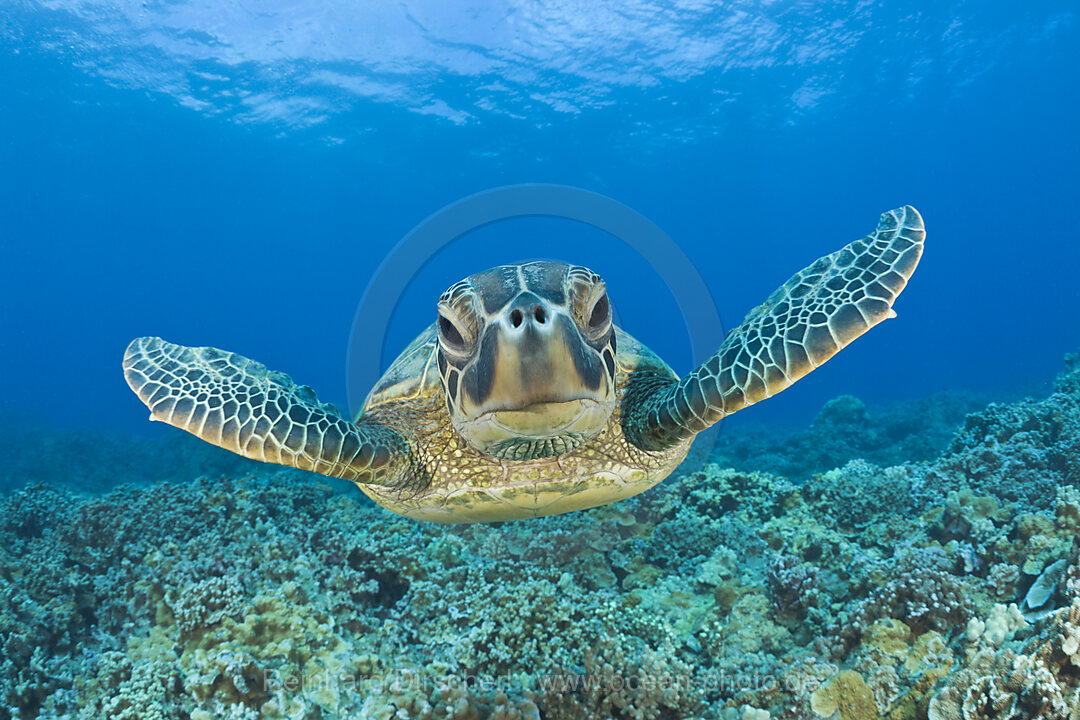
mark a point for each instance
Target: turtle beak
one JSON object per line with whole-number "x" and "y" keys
{"x": 533, "y": 355}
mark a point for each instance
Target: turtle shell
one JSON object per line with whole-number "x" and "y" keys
{"x": 414, "y": 373}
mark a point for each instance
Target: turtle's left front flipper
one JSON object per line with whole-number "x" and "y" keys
{"x": 238, "y": 404}
{"x": 802, "y": 324}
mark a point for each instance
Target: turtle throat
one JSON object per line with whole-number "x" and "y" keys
{"x": 526, "y": 449}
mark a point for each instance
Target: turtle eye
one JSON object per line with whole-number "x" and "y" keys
{"x": 450, "y": 334}
{"x": 600, "y": 314}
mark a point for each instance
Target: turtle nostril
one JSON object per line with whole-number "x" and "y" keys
{"x": 516, "y": 318}
{"x": 539, "y": 314}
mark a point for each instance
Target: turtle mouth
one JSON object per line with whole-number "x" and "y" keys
{"x": 541, "y": 420}
{"x": 537, "y": 430}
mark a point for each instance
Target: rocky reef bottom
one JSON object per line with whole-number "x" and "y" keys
{"x": 945, "y": 588}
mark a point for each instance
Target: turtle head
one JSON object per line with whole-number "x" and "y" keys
{"x": 527, "y": 358}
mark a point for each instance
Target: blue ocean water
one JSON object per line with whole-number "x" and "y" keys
{"x": 227, "y": 175}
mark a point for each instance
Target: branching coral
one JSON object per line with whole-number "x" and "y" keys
{"x": 923, "y": 599}
{"x": 650, "y": 685}
{"x": 1041, "y": 680}
{"x": 796, "y": 587}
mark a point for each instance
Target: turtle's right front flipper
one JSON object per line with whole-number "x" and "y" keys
{"x": 237, "y": 404}
{"x": 806, "y": 321}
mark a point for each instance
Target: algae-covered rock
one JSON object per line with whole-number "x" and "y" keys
{"x": 846, "y": 696}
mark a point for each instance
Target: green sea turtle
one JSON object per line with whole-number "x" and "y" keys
{"x": 523, "y": 399}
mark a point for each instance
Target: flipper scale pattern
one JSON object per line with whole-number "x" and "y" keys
{"x": 802, "y": 324}
{"x": 238, "y": 404}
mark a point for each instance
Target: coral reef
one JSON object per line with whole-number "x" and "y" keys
{"x": 1040, "y": 679}
{"x": 877, "y": 587}
{"x": 94, "y": 461}
{"x": 847, "y": 429}
{"x": 1018, "y": 453}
